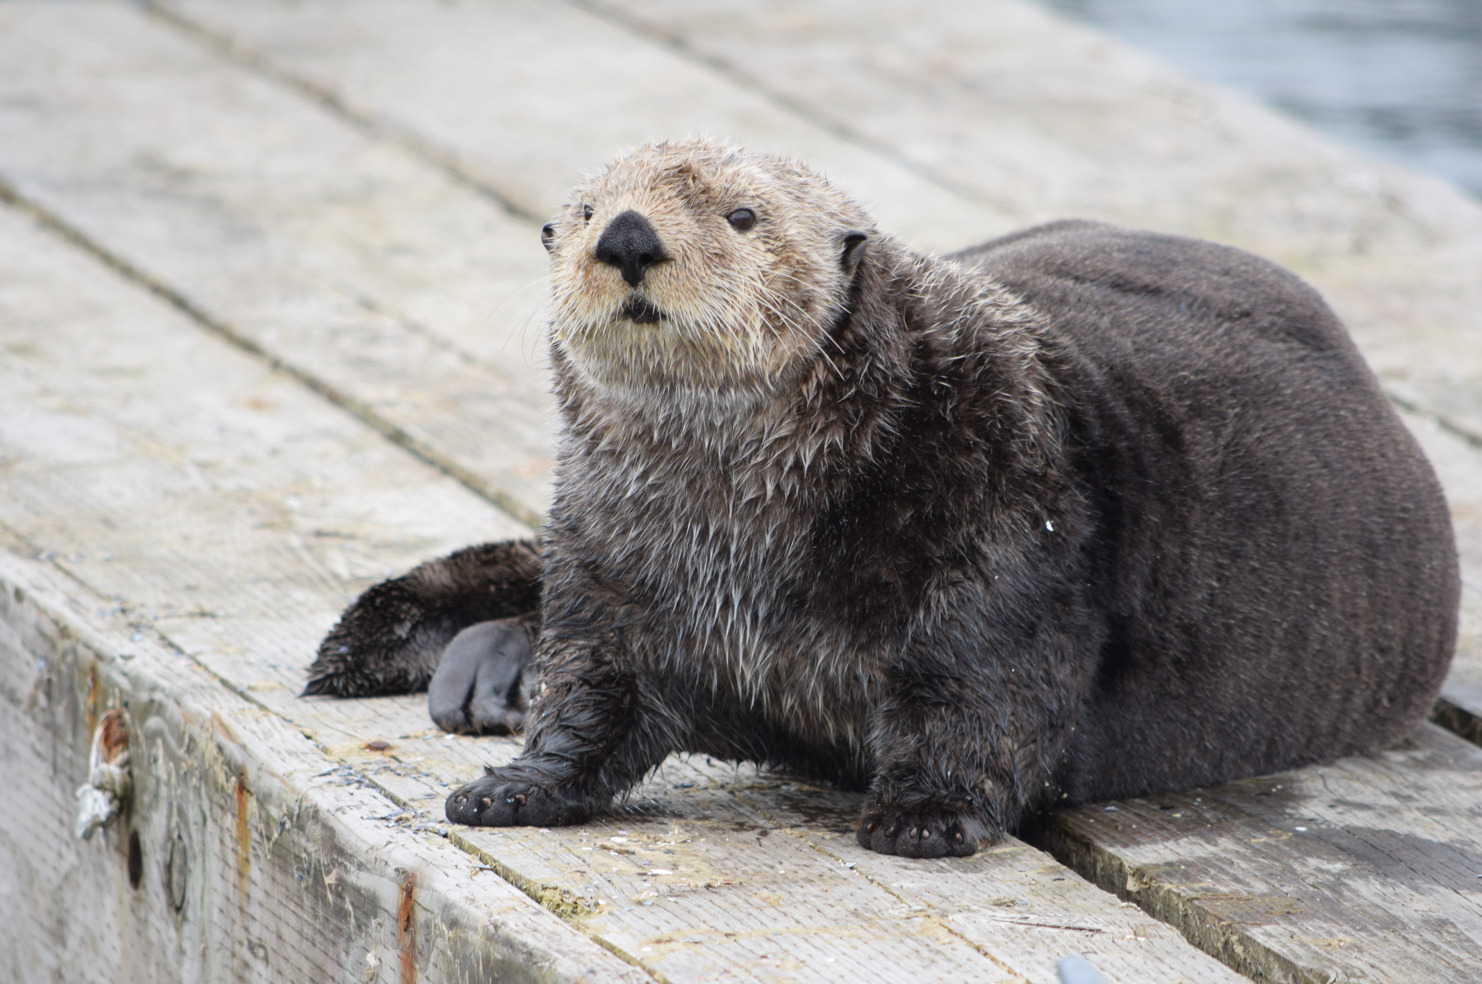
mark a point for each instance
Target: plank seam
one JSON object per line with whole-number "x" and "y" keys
{"x": 1457, "y": 719}
{"x": 146, "y": 628}
{"x": 1202, "y": 929}
{"x": 1218, "y": 936}
{"x": 794, "y": 107}
{"x": 540, "y": 893}
{"x": 1457, "y": 430}
{"x": 1395, "y": 857}
{"x": 249, "y": 58}
{"x": 418, "y": 448}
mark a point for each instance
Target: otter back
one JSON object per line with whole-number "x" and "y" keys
{"x": 1274, "y": 560}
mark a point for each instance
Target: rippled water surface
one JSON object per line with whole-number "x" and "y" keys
{"x": 1401, "y": 79}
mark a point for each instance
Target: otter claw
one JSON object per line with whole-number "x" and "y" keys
{"x": 500, "y": 799}
{"x": 920, "y": 833}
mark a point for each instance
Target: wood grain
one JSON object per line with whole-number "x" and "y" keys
{"x": 365, "y": 272}
{"x": 226, "y": 510}
{"x": 159, "y": 469}
{"x": 334, "y": 207}
{"x": 1368, "y": 869}
{"x": 615, "y": 89}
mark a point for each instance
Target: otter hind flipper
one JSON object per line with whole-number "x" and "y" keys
{"x": 391, "y": 638}
{"x": 477, "y": 686}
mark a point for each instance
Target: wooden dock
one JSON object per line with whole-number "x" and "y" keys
{"x": 270, "y": 312}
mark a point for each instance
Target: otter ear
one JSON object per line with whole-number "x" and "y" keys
{"x": 853, "y": 242}
{"x": 548, "y": 236}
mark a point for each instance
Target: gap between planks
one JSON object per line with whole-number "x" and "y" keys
{"x": 247, "y": 57}
{"x": 423, "y": 450}
{"x": 308, "y": 382}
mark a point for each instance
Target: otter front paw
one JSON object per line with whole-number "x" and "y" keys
{"x": 922, "y": 831}
{"x": 477, "y": 686}
{"x": 509, "y": 797}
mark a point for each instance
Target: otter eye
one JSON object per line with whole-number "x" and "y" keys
{"x": 548, "y": 236}
{"x": 586, "y": 213}
{"x": 742, "y": 219}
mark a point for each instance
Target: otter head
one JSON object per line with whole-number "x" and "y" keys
{"x": 693, "y": 268}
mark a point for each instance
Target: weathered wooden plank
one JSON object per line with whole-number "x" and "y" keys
{"x": 999, "y": 102}
{"x": 1368, "y": 869}
{"x": 1035, "y": 908}
{"x": 365, "y": 271}
{"x": 192, "y": 486}
{"x": 261, "y": 652}
{"x": 239, "y": 857}
{"x": 491, "y": 106}
{"x": 162, "y": 468}
{"x": 715, "y": 865}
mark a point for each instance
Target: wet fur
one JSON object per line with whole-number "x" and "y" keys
{"x": 391, "y": 640}
{"x": 1078, "y": 514}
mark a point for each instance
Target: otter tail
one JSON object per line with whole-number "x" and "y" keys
{"x": 391, "y": 639}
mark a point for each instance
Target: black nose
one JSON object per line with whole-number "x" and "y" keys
{"x": 631, "y": 245}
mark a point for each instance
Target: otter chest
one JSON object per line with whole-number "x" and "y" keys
{"x": 729, "y": 587}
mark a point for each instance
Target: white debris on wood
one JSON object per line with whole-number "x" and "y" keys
{"x": 101, "y": 798}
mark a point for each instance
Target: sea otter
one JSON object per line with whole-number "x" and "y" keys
{"x": 1078, "y": 514}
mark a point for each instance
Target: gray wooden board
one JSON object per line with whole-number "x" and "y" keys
{"x": 223, "y": 510}
{"x": 364, "y": 270}
{"x": 240, "y": 857}
{"x": 487, "y": 100}
{"x": 181, "y": 482}
{"x": 350, "y": 241}
{"x": 710, "y": 867}
{"x": 1369, "y": 869}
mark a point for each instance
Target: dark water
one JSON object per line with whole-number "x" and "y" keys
{"x": 1400, "y": 79}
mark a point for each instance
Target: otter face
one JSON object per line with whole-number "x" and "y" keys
{"x": 692, "y": 267}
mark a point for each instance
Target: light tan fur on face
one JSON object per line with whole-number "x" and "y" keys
{"x": 740, "y": 309}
